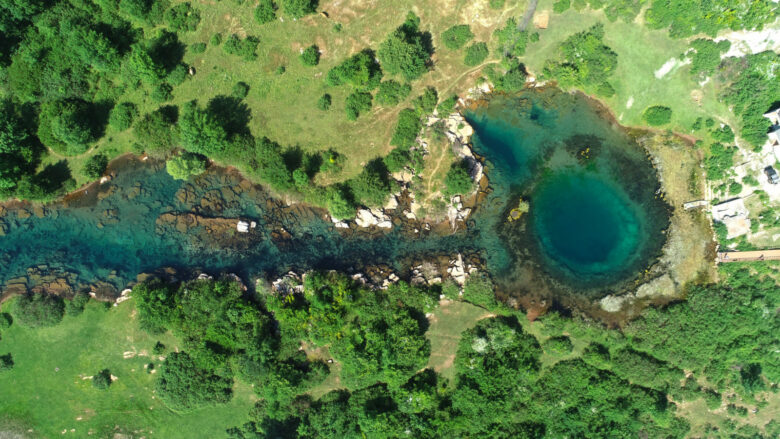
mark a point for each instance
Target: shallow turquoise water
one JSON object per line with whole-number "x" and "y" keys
{"x": 594, "y": 219}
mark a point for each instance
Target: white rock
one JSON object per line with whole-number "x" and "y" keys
{"x": 387, "y": 224}
{"x": 392, "y": 203}
{"x": 365, "y": 218}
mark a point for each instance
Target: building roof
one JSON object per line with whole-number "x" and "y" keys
{"x": 773, "y": 116}
{"x": 774, "y": 136}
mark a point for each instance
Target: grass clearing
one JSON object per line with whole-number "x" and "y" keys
{"x": 448, "y": 322}
{"x": 50, "y": 394}
{"x": 641, "y": 52}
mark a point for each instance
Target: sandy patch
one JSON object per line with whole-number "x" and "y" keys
{"x": 630, "y": 102}
{"x": 542, "y": 19}
{"x": 748, "y": 42}
{"x": 670, "y": 65}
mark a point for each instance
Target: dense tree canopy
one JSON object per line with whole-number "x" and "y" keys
{"x": 457, "y": 36}
{"x": 360, "y": 71}
{"x": 583, "y": 60}
{"x": 185, "y": 165}
{"x": 406, "y": 51}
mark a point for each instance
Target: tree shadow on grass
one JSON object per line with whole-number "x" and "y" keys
{"x": 233, "y": 114}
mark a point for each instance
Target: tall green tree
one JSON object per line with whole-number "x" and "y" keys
{"x": 405, "y": 51}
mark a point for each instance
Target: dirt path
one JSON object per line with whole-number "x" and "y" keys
{"x": 54, "y": 153}
{"x": 529, "y": 14}
{"x": 433, "y": 173}
{"x": 467, "y": 72}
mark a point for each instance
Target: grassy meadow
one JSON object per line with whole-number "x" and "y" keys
{"x": 49, "y": 393}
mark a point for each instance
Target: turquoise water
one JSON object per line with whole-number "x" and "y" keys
{"x": 586, "y": 225}
{"x": 594, "y": 220}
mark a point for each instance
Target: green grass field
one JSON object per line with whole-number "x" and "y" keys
{"x": 641, "y": 52}
{"x": 283, "y": 106}
{"x": 46, "y": 390}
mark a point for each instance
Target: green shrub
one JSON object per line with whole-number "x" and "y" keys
{"x": 198, "y": 47}
{"x": 216, "y": 39}
{"x": 323, "y": 103}
{"x": 480, "y": 291}
{"x": 657, "y": 115}
{"x": 534, "y": 37}
{"x": 404, "y": 51}
{"x": 735, "y": 188}
{"x": 719, "y": 161}
{"x": 162, "y": 93}
{"x": 497, "y": 4}
{"x": 513, "y": 80}
{"x": 392, "y": 92}
{"x": 240, "y": 90}
{"x": 6, "y": 362}
{"x": 558, "y": 346}
{"x": 356, "y": 103}
{"x": 186, "y": 165}
{"x": 310, "y": 56}
{"x": 123, "y": 115}
{"x": 458, "y": 179}
{"x": 299, "y": 8}
{"x": 102, "y": 380}
{"x": 5, "y": 320}
{"x": 407, "y": 128}
{"x": 39, "y": 310}
{"x": 179, "y": 74}
{"x": 723, "y": 134}
{"x": 338, "y": 203}
{"x": 158, "y": 348}
{"x": 95, "y": 166}
{"x": 446, "y": 106}
{"x": 67, "y": 126}
{"x": 510, "y": 40}
{"x": 397, "y": 159}
{"x": 582, "y": 60}
{"x": 201, "y": 130}
{"x": 244, "y": 48}
{"x": 426, "y": 102}
{"x": 597, "y": 355}
{"x": 475, "y": 54}
{"x": 457, "y": 36}
{"x": 561, "y": 6}
{"x": 713, "y": 399}
{"x": 360, "y": 70}
{"x": 156, "y": 132}
{"x": 706, "y": 55}
{"x": 371, "y": 187}
{"x": 182, "y": 17}
{"x": 750, "y": 180}
{"x": 183, "y": 385}
{"x": 265, "y": 12}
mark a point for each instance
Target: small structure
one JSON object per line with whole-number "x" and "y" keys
{"x": 773, "y": 116}
{"x": 694, "y": 204}
{"x": 734, "y": 215}
{"x": 771, "y": 175}
{"x": 242, "y": 227}
{"x": 774, "y": 136}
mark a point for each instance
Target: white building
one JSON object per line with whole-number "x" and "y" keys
{"x": 773, "y": 116}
